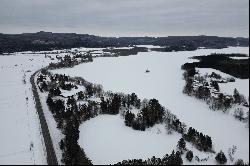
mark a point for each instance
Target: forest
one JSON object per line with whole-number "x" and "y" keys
{"x": 46, "y": 41}
{"x": 238, "y": 68}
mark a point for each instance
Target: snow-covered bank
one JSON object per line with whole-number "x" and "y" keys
{"x": 164, "y": 82}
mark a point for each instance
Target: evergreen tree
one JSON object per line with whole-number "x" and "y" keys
{"x": 115, "y": 104}
{"x": 191, "y": 72}
{"x": 240, "y": 162}
{"x": 181, "y": 145}
{"x": 209, "y": 143}
{"x": 215, "y": 85}
{"x": 71, "y": 101}
{"x": 215, "y": 75}
{"x": 129, "y": 118}
{"x": 104, "y": 106}
{"x": 50, "y": 102}
{"x": 152, "y": 113}
{"x": 191, "y": 134}
{"x": 175, "y": 159}
{"x": 189, "y": 155}
{"x": 44, "y": 86}
{"x": 61, "y": 144}
{"x": 71, "y": 141}
{"x": 221, "y": 158}
{"x": 59, "y": 106}
{"x": 89, "y": 90}
{"x": 203, "y": 92}
{"x": 237, "y": 97}
{"x": 81, "y": 95}
{"x": 55, "y": 92}
{"x": 201, "y": 141}
{"x": 188, "y": 89}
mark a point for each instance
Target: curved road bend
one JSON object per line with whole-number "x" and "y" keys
{"x": 51, "y": 155}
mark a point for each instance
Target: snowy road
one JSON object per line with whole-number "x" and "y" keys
{"x": 51, "y": 156}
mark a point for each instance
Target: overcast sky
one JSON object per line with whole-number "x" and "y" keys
{"x": 127, "y": 17}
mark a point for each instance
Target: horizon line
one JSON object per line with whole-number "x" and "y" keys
{"x": 122, "y": 36}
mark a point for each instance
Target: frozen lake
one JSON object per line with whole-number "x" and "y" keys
{"x": 165, "y": 83}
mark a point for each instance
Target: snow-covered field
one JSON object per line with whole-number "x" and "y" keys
{"x": 104, "y": 138}
{"x": 128, "y": 143}
{"x": 107, "y": 128}
{"x": 20, "y": 141}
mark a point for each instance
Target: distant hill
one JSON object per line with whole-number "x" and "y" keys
{"x": 42, "y": 41}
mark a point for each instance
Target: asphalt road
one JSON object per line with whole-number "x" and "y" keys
{"x": 51, "y": 155}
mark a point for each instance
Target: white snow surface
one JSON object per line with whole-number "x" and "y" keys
{"x": 105, "y": 129}
{"x": 20, "y": 141}
{"x": 150, "y": 46}
{"x": 104, "y": 139}
{"x": 239, "y": 57}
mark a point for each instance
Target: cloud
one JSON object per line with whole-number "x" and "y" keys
{"x": 127, "y": 17}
